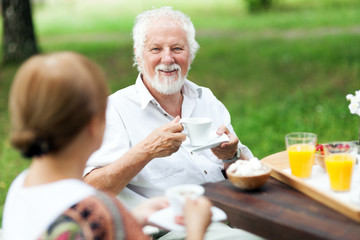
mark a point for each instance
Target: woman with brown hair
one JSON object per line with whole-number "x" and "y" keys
{"x": 57, "y": 105}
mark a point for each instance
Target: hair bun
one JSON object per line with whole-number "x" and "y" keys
{"x": 37, "y": 147}
{"x": 29, "y": 143}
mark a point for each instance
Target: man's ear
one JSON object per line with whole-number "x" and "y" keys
{"x": 139, "y": 62}
{"x": 138, "y": 59}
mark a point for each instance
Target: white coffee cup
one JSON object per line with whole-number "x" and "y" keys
{"x": 177, "y": 196}
{"x": 198, "y": 130}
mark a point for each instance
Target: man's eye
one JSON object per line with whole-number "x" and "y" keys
{"x": 155, "y": 49}
{"x": 178, "y": 49}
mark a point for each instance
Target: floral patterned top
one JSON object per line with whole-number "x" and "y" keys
{"x": 96, "y": 217}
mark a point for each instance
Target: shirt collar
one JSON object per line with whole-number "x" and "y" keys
{"x": 190, "y": 89}
{"x": 145, "y": 96}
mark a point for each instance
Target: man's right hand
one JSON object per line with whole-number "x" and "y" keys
{"x": 165, "y": 140}
{"x": 162, "y": 142}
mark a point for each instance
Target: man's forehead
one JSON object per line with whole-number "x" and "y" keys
{"x": 166, "y": 27}
{"x": 164, "y": 23}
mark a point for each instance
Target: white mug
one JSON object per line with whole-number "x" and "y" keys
{"x": 198, "y": 130}
{"x": 177, "y": 196}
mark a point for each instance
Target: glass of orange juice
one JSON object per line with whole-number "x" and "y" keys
{"x": 301, "y": 149}
{"x": 339, "y": 162}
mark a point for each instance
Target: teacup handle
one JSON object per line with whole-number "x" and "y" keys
{"x": 183, "y": 123}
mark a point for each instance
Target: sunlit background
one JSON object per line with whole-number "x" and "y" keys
{"x": 281, "y": 69}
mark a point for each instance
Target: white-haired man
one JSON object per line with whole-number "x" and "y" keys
{"x": 141, "y": 155}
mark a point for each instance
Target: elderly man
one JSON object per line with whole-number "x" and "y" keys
{"x": 141, "y": 155}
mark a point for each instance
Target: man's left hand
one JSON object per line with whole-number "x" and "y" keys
{"x": 228, "y": 149}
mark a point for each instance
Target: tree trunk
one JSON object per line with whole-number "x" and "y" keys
{"x": 19, "y": 40}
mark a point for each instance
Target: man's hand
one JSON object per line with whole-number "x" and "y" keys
{"x": 228, "y": 149}
{"x": 164, "y": 140}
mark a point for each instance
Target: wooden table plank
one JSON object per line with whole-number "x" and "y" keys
{"x": 277, "y": 211}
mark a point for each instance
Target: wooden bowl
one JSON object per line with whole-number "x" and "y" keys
{"x": 249, "y": 182}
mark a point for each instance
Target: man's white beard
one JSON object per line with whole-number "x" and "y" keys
{"x": 167, "y": 85}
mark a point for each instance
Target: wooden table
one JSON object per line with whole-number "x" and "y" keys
{"x": 277, "y": 211}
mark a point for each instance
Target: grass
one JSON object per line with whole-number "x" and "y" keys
{"x": 284, "y": 86}
{"x": 277, "y": 72}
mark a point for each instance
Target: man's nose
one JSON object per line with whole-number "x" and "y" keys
{"x": 167, "y": 57}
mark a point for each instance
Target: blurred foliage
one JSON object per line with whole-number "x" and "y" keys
{"x": 258, "y": 5}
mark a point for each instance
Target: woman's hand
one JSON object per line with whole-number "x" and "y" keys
{"x": 197, "y": 217}
{"x": 143, "y": 211}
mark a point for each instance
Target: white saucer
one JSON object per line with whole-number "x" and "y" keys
{"x": 214, "y": 141}
{"x": 165, "y": 218}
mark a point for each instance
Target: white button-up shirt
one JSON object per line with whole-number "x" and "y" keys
{"x": 133, "y": 113}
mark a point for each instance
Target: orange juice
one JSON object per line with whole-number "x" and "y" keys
{"x": 339, "y": 167}
{"x": 301, "y": 157}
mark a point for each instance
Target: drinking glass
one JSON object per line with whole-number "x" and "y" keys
{"x": 339, "y": 161}
{"x": 301, "y": 149}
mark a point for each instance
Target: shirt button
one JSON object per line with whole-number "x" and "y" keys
{"x": 165, "y": 115}
{"x": 205, "y": 171}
